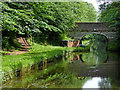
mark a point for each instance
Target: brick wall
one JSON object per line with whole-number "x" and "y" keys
{"x": 72, "y": 43}
{"x": 93, "y": 26}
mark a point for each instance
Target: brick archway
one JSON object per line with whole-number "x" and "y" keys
{"x": 82, "y": 29}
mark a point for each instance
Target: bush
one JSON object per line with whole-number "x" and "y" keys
{"x": 114, "y": 46}
{"x": 5, "y": 43}
{"x": 8, "y": 43}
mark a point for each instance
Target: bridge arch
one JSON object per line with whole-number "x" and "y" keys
{"x": 83, "y": 29}
{"x": 97, "y": 33}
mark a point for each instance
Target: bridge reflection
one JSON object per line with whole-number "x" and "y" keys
{"x": 82, "y": 67}
{"x": 77, "y": 57}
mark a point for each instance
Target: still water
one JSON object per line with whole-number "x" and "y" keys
{"x": 99, "y": 72}
{"x": 75, "y": 70}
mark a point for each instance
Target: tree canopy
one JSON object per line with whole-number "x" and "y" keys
{"x": 45, "y": 21}
{"x": 110, "y": 13}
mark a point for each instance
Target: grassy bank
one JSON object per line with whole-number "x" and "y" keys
{"x": 82, "y": 49}
{"x": 56, "y": 75}
{"x": 37, "y": 53}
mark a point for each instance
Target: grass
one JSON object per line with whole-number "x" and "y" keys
{"x": 4, "y": 52}
{"x": 82, "y": 49}
{"x": 36, "y": 54}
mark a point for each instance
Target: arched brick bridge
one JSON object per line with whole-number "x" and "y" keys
{"x": 83, "y": 29}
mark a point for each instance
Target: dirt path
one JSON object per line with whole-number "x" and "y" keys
{"x": 25, "y": 45}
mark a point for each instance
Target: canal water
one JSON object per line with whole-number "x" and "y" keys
{"x": 97, "y": 71}
{"x": 74, "y": 70}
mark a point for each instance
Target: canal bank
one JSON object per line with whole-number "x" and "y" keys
{"x": 16, "y": 65}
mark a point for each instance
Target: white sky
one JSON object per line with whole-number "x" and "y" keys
{"x": 94, "y": 2}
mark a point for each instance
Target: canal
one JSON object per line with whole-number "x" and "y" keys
{"x": 97, "y": 68}
{"x": 74, "y": 70}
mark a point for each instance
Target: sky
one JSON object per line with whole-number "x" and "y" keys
{"x": 94, "y": 2}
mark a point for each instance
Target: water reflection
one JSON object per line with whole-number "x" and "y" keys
{"x": 93, "y": 58}
{"x": 97, "y": 82}
{"x": 92, "y": 83}
{"x": 78, "y": 74}
{"x": 100, "y": 72}
{"x": 105, "y": 83}
{"x": 77, "y": 57}
{"x": 90, "y": 58}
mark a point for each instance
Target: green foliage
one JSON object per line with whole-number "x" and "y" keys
{"x": 65, "y": 37}
{"x": 113, "y": 46}
{"x": 9, "y": 44}
{"x": 91, "y": 39}
{"x": 94, "y": 58}
{"x": 45, "y": 21}
{"x": 84, "y": 12}
{"x": 4, "y": 52}
{"x": 110, "y": 13}
{"x": 97, "y": 43}
{"x": 82, "y": 49}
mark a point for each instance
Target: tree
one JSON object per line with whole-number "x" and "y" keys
{"x": 110, "y": 13}
{"x": 45, "y": 21}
